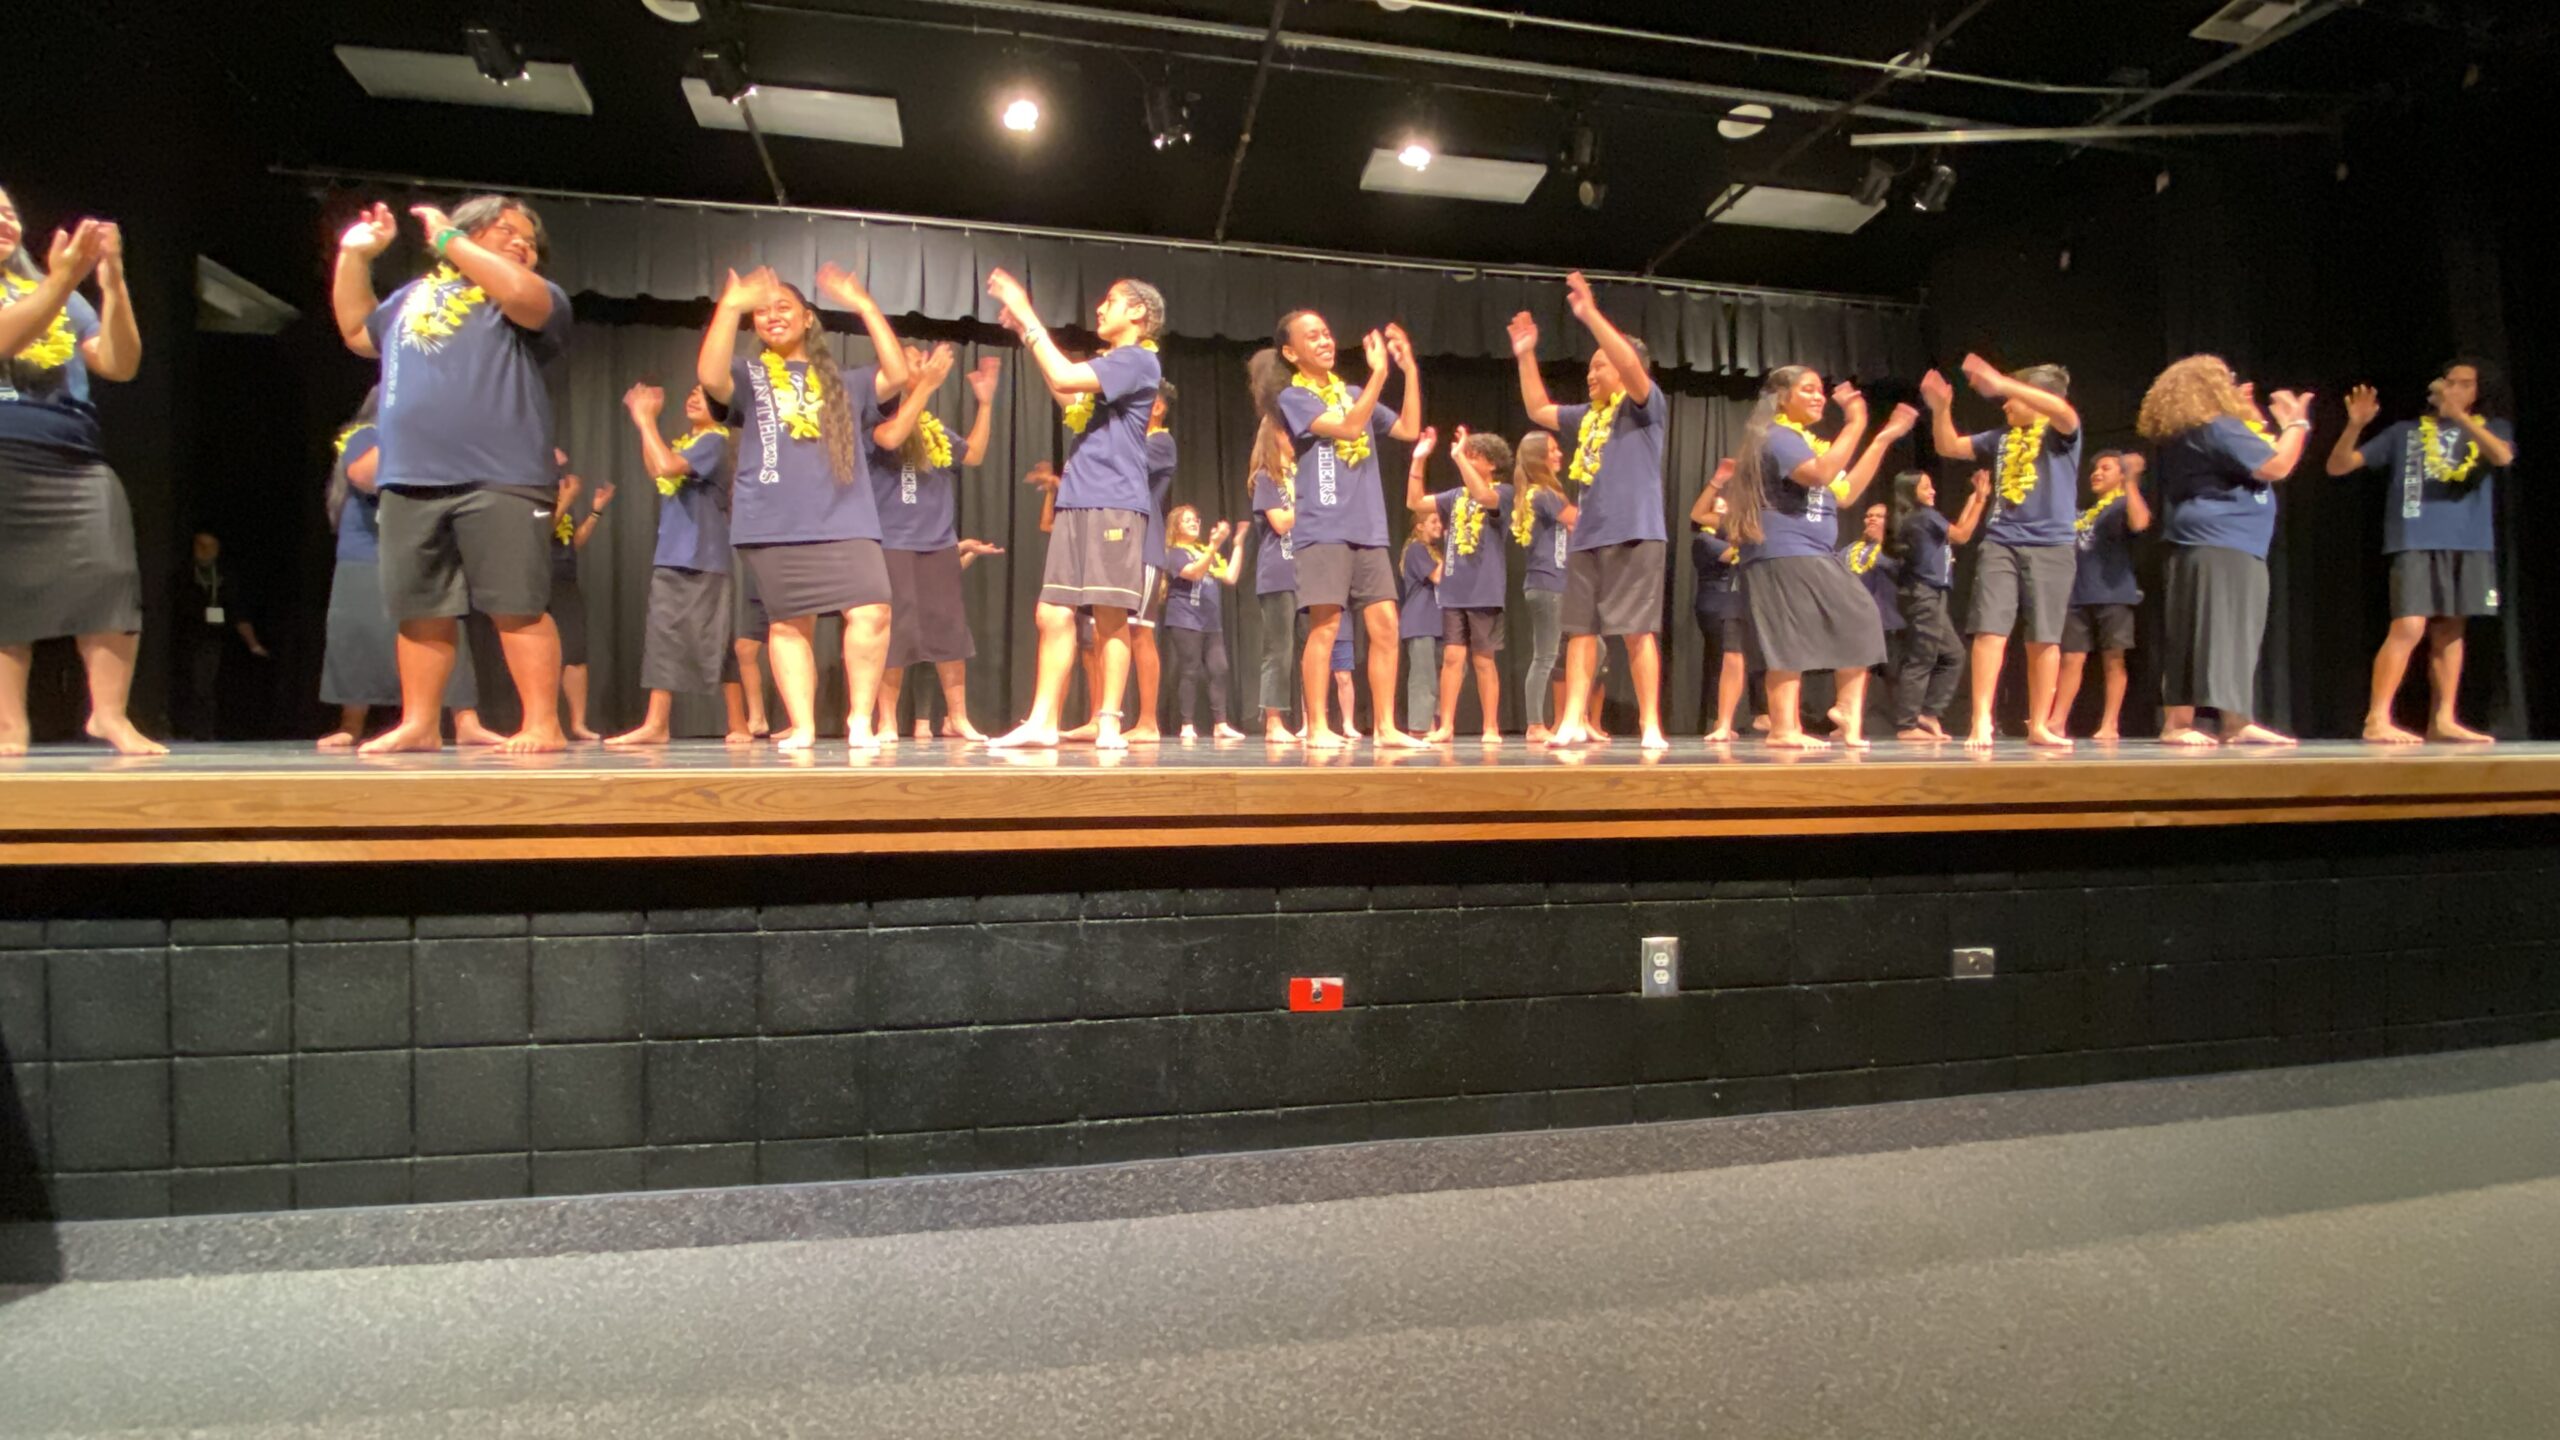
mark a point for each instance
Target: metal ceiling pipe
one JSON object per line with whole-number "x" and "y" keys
{"x": 1252, "y": 112}
{"x": 2077, "y": 133}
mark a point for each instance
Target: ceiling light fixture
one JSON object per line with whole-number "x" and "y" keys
{"x": 498, "y": 58}
{"x": 1934, "y": 191}
{"x": 1877, "y": 183}
{"x": 1580, "y": 158}
{"x": 675, "y": 12}
{"x": 724, "y": 69}
{"x": 1743, "y": 121}
{"x": 1168, "y": 114}
{"x": 1415, "y": 154}
{"x": 1021, "y": 114}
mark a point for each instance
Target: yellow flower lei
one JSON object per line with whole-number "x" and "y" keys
{"x": 1862, "y": 556}
{"x": 668, "y": 485}
{"x": 1820, "y": 445}
{"x": 2089, "y": 518}
{"x": 1217, "y": 567}
{"x": 937, "y": 441}
{"x": 2018, "y": 451}
{"x": 2260, "y": 431}
{"x": 439, "y": 305}
{"x": 1592, "y": 440}
{"x": 54, "y": 348}
{"x": 1466, "y": 524}
{"x": 2437, "y": 467}
{"x": 1079, "y": 411}
{"x": 349, "y": 434}
{"x": 1337, "y": 401}
{"x": 565, "y": 529}
{"x": 795, "y": 401}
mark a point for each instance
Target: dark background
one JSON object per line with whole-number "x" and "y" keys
{"x": 174, "y": 121}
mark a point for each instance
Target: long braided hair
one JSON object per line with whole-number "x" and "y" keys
{"x": 1746, "y": 497}
{"x": 836, "y": 413}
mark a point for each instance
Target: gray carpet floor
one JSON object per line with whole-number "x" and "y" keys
{"x": 2385, "y": 1266}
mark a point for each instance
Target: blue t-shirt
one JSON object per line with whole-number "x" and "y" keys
{"x": 1338, "y": 504}
{"x": 2105, "y": 576}
{"x": 693, "y": 506}
{"x": 359, "y": 526}
{"x": 1473, "y": 580}
{"x": 1878, "y": 581}
{"x": 919, "y": 504}
{"x": 2045, "y": 516}
{"x": 1925, "y": 559}
{"x": 1192, "y": 604}
{"x": 2423, "y": 514}
{"x": 1275, "y": 556}
{"x": 1794, "y": 521}
{"x": 1718, "y": 564}
{"x": 2207, "y": 478}
{"x": 466, "y": 392}
{"x": 1624, "y": 501}
{"x": 1547, "y": 541}
{"x": 1160, "y": 469}
{"x": 1417, "y": 599}
{"x": 784, "y": 492}
{"x": 1108, "y": 470}
{"x": 44, "y": 400}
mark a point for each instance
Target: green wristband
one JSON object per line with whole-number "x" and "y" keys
{"x": 446, "y": 237}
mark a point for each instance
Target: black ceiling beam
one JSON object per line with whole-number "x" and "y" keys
{"x": 1252, "y": 111}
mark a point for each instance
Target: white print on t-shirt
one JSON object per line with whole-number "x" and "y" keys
{"x": 1328, "y": 492}
{"x": 2413, "y": 470}
{"x": 1560, "y": 538}
{"x": 768, "y": 425}
{"x": 907, "y": 485}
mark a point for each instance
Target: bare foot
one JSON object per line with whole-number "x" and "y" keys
{"x": 582, "y": 734}
{"x": 14, "y": 743}
{"x": 1918, "y": 735}
{"x": 1107, "y": 736}
{"x": 2045, "y": 738}
{"x": 1833, "y": 715}
{"x": 2189, "y": 736}
{"x": 737, "y": 738}
{"x": 334, "y": 740}
{"x": 2105, "y": 735}
{"x": 1026, "y": 736}
{"x": 1490, "y": 737}
{"x": 1537, "y": 734}
{"x": 1653, "y": 741}
{"x": 2383, "y": 732}
{"x": 644, "y": 735}
{"x": 1188, "y": 732}
{"x": 924, "y": 728}
{"x": 2256, "y": 734}
{"x": 1565, "y": 737}
{"x": 1280, "y": 735}
{"x": 1350, "y": 732}
{"x": 403, "y": 736}
{"x": 474, "y": 733}
{"x": 529, "y": 741}
{"x": 1796, "y": 741}
{"x": 1930, "y": 724}
{"x": 795, "y": 740}
{"x": 1436, "y": 735}
{"x": 118, "y": 731}
{"x": 963, "y": 731}
{"x": 1391, "y": 738}
{"x": 1760, "y": 724}
{"x": 1325, "y": 740}
{"x": 1138, "y": 735}
{"x": 1850, "y": 740}
{"x": 759, "y": 727}
{"x": 2449, "y": 731}
{"x": 867, "y": 741}
{"x": 1980, "y": 739}
{"x": 1225, "y": 731}
{"x": 1721, "y": 735}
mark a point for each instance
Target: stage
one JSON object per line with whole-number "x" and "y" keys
{"x": 285, "y": 803}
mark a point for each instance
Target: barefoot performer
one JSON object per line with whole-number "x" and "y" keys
{"x": 1473, "y": 578}
{"x": 1194, "y": 616}
{"x": 1542, "y": 526}
{"x": 1807, "y": 611}
{"x": 1723, "y": 627}
{"x": 915, "y": 476}
{"x": 1274, "y": 491}
{"x": 2219, "y": 466}
{"x": 2104, "y": 593}
{"x": 801, "y": 512}
{"x": 1420, "y": 566}
{"x": 689, "y": 623}
{"x": 1879, "y": 572}
{"x": 1932, "y": 657}
{"x": 568, "y": 603}
{"x": 2439, "y": 526}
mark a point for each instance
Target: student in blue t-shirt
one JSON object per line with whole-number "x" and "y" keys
{"x": 690, "y": 628}
{"x": 2219, "y": 466}
{"x": 1103, "y": 506}
{"x": 1272, "y": 487}
{"x": 2104, "y": 592}
{"x": 1339, "y": 534}
{"x": 2022, "y": 573}
{"x": 2439, "y": 526}
{"x": 1615, "y": 575}
{"x": 1917, "y": 533}
{"x": 1542, "y": 526}
{"x": 1807, "y": 612}
{"x": 1472, "y": 579}
{"x": 1723, "y": 625}
{"x": 467, "y": 485}
{"x": 1879, "y": 572}
{"x": 1419, "y": 568}
{"x": 915, "y": 478}
{"x": 1195, "y": 626}
{"x": 67, "y": 562}
{"x": 802, "y": 516}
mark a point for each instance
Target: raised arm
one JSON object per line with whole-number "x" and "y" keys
{"x": 595, "y": 514}
{"x": 1353, "y": 424}
{"x": 1062, "y": 375}
{"x": 643, "y": 403}
{"x": 1633, "y": 373}
{"x": 2347, "y": 457}
{"x": 891, "y": 433}
{"x": 1961, "y": 532}
{"x": 1233, "y": 566}
{"x": 2137, "y": 506}
{"x": 115, "y": 352}
{"x": 73, "y": 256}
{"x": 1992, "y": 385}
{"x": 838, "y": 284}
{"x": 519, "y": 294}
{"x": 1400, "y": 350}
{"x": 1703, "y": 509}
{"x": 2291, "y": 411}
{"x": 982, "y": 388}
{"x": 1863, "y": 474}
{"x": 1944, "y": 437}
{"x": 738, "y": 300}
{"x": 1533, "y": 386}
{"x": 1417, "y": 495}
{"x": 2493, "y": 449}
{"x": 1044, "y": 478}
{"x": 1822, "y": 469}
{"x": 1473, "y": 474}
{"x": 1206, "y": 562}
{"x": 351, "y": 297}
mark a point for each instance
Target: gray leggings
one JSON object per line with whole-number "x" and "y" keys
{"x": 1421, "y": 683}
{"x": 1546, "y": 633}
{"x": 1283, "y": 637}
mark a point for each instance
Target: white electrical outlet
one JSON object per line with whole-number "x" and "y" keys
{"x": 1658, "y": 965}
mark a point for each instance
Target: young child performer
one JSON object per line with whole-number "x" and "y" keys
{"x": 67, "y": 562}
{"x": 1542, "y": 526}
{"x": 742, "y": 680}
{"x": 568, "y": 603}
{"x": 1098, "y": 549}
{"x": 1880, "y": 572}
{"x": 915, "y": 480}
{"x": 1807, "y": 611}
{"x": 1344, "y": 662}
{"x": 2439, "y": 526}
{"x": 1472, "y": 578}
{"x": 357, "y": 668}
{"x": 689, "y": 623}
{"x": 1723, "y": 626}
{"x": 2104, "y": 592}
{"x": 2219, "y": 466}
{"x": 802, "y": 514}
{"x": 1340, "y": 530}
{"x": 1420, "y": 567}
{"x": 1613, "y": 580}
{"x": 468, "y": 479}
{"x": 1194, "y": 618}
{"x": 1273, "y": 492}
{"x": 1917, "y": 533}
{"x": 2022, "y": 573}
{"x": 1146, "y": 659}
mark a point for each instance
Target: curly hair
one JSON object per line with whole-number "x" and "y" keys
{"x": 2190, "y": 393}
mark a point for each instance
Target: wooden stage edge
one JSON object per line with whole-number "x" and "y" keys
{"x": 363, "y": 815}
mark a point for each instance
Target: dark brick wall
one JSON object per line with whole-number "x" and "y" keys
{"x": 186, "y": 1041}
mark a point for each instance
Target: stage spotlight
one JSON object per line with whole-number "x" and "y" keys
{"x": 1933, "y": 193}
{"x": 1743, "y": 121}
{"x": 1415, "y": 155}
{"x": 1580, "y": 158}
{"x": 1021, "y": 114}
{"x": 1876, "y": 183}
{"x": 1593, "y": 193}
{"x": 724, "y": 69}
{"x": 498, "y": 57}
{"x": 1168, "y": 115}
{"x": 677, "y": 12}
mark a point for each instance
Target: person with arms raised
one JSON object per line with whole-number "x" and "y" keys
{"x": 689, "y": 628}
{"x": 915, "y": 476}
{"x": 2104, "y": 593}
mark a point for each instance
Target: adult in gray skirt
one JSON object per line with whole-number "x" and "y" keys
{"x": 2219, "y": 466}
{"x": 66, "y": 532}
